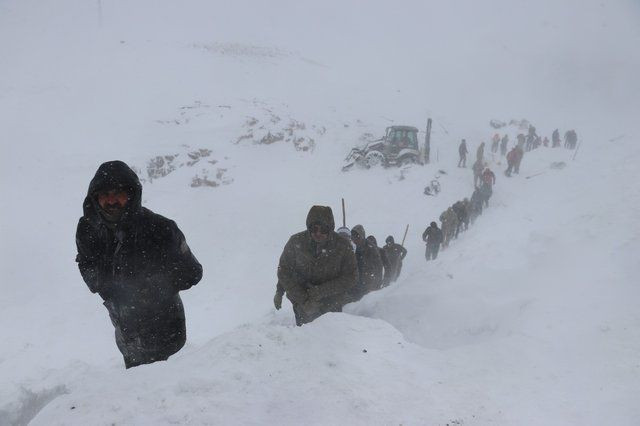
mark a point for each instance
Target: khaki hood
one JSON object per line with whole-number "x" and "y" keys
{"x": 322, "y": 215}
{"x": 359, "y": 229}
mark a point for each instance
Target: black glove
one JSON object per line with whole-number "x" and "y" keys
{"x": 277, "y": 300}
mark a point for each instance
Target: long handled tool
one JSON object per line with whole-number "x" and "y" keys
{"x": 344, "y": 216}
{"x": 405, "y": 235}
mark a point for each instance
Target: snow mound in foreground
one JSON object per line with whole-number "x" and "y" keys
{"x": 327, "y": 372}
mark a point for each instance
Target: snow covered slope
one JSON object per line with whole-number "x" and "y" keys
{"x": 527, "y": 319}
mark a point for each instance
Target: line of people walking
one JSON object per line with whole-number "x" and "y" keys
{"x": 458, "y": 216}
{"x": 524, "y": 143}
{"x": 321, "y": 270}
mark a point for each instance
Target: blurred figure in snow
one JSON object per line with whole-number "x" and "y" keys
{"x": 555, "y": 139}
{"x": 513, "y": 160}
{"x": 433, "y": 237}
{"x": 570, "y": 139}
{"x": 495, "y": 142}
{"x": 449, "y": 221}
{"x": 477, "y": 168}
{"x": 463, "y": 218}
{"x": 462, "y": 150}
{"x": 531, "y": 136}
{"x": 486, "y": 189}
{"x": 393, "y": 255}
{"x": 376, "y": 268}
{"x": 369, "y": 261}
{"x": 475, "y": 205}
{"x": 503, "y": 145}
{"x": 480, "y": 153}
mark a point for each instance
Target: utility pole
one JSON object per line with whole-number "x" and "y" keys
{"x": 427, "y": 142}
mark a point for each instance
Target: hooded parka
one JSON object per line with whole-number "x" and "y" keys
{"x": 394, "y": 254}
{"x": 370, "y": 266}
{"x": 137, "y": 265}
{"x": 317, "y": 277}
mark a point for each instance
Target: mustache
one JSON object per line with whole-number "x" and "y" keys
{"x": 115, "y": 206}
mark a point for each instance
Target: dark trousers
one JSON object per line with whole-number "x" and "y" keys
{"x": 463, "y": 161}
{"x": 509, "y": 169}
{"x": 431, "y": 252}
{"x": 303, "y": 317}
{"x": 137, "y": 351}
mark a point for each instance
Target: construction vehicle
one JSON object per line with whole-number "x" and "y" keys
{"x": 398, "y": 147}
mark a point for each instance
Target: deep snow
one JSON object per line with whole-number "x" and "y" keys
{"x": 529, "y": 317}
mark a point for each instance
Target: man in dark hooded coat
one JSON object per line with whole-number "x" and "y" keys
{"x": 317, "y": 268}
{"x": 137, "y": 261}
{"x": 460, "y": 209}
{"x": 433, "y": 237}
{"x": 377, "y": 269}
{"x": 370, "y": 266}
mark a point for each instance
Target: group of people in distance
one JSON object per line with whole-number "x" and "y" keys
{"x": 321, "y": 270}
{"x": 525, "y": 143}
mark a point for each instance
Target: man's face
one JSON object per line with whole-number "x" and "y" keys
{"x": 355, "y": 237}
{"x": 113, "y": 202}
{"x": 319, "y": 232}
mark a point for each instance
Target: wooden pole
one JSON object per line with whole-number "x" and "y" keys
{"x": 344, "y": 216}
{"x": 427, "y": 143}
{"x": 405, "y": 235}
{"x": 576, "y": 153}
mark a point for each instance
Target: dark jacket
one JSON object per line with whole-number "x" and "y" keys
{"x": 515, "y": 155}
{"x": 372, "y": 274}
{"x": 323, "y": 273}
{"x": 137, "y": 265}
{"x": 476, "y": 201}
{"x": 432, "y": 236}
{"x": 370, "y": 266}
{"x": 489, "y": 177}
{"x": 392, "y": 255}
{"x": 394, "y": 252}
{"x": 462, "y": 149}
{"x": 461, "y": 211}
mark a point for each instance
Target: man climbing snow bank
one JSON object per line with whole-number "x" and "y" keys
{"x": 137, "y": 261}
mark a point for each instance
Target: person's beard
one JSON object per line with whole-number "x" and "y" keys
{"x": 112, "y": 212}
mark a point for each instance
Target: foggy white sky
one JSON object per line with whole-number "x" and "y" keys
{"x": 569, "y": 60}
